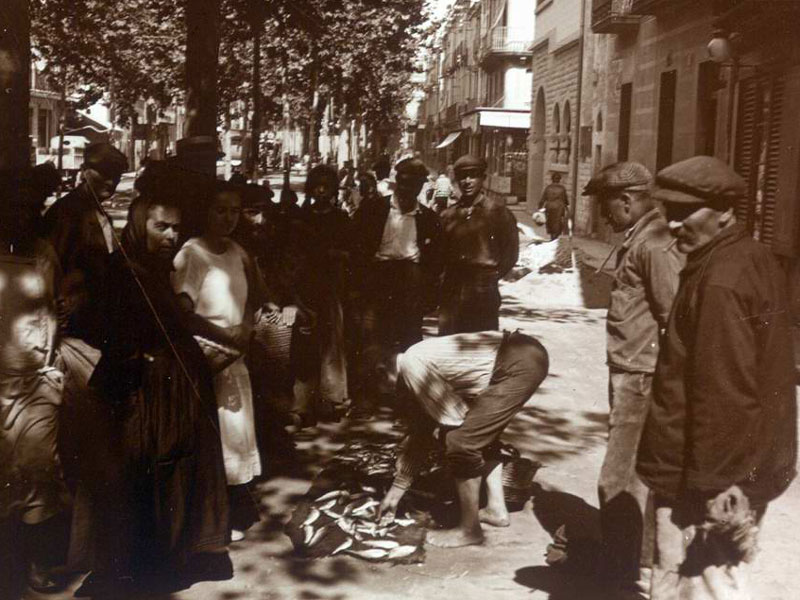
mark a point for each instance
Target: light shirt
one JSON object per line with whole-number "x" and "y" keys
{"x": 444, "y": 374}
{"x": 107, "y": 228}
{"x": 399, "y": 240}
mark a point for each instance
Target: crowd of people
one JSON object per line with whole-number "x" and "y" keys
{"x": 147, "y": 378}
{"x": 163, "y": 364}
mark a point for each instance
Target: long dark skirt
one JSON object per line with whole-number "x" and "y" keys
{"x": 162, "y": 492}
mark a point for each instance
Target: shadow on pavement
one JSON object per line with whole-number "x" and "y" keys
{"x": 550, "y": 436}
{"x": 571, "y": 575}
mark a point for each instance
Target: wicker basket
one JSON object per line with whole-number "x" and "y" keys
{"x": 517, "y": 475}
{"x": 219, "y": 356}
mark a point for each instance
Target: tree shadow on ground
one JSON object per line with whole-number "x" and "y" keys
{"x": 573, "y": 575}
{"x": 513, "y": 308}
{"x": 551, "y": 436}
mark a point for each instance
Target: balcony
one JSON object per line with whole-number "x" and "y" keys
{"x": 452, "y": 112}
{"x": 613, "y": 16}
{"x": 505, "y": 41}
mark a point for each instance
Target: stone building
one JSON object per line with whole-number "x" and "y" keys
{"x": 716, "y": 77}
{"x": 477, "y": 92}
{"x": 559, "y": 51}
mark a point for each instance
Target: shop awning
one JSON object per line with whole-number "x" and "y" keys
{"x": 509, "y": 119}
{"x": 451, "y": 137}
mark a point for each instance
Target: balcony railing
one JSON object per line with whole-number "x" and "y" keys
{"x": 613, "y": 16}
{"x": 506, "y": 40}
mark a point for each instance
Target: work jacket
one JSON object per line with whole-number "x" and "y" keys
{"x": 645, "y": 282}
{"x": 724, "y": 411}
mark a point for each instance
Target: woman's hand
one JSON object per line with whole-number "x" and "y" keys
{"x": 388, "y": 508}
{"x": 289, "y": 315}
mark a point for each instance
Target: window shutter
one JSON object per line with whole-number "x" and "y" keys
{"x": 746, "y": 144}
{"x": 786, "y": 212}
{"x": 766, "y": 222}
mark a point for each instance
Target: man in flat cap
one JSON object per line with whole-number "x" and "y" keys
{"x": 720, "y": 440}
{"x": 645, "y": 281}
{"x": 481, "y": 245}
{"x": 82, "y": 234}
{"x": 398, "y": 256}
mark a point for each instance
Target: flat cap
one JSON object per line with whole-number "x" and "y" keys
{"x": 469, "y": 162}
{"x": 617, "y": 177}
{"x": 411, "y": 168}
{"x": 698, "y": 180}
{"x": 103, "y": 157}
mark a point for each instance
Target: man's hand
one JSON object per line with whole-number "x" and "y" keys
{"x": 388, "y": 508}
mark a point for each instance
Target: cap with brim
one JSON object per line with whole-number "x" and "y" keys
{"x": 469, "y": 163}
{"x": 630, "y": 176}
{"x": 103, "y": 157}
{"x": 411, "y": 169}
{"x": 699, "y": 180}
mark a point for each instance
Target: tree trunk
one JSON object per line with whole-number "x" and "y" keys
{"x": 62, "y": 122}
{"x": 257, "y": 27}
{"x": 15, "y": 64}
{"x": 202, "y": 55}
{"x": 287, "y": 118}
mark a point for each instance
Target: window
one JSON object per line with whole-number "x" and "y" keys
{"x": 43, "y": 128}
{"x": 666, "y": 119}
{"x": 706, "y": 128}
{"x": 625, "y": 100}
{"x": 567, "y": 118}
{"x": 556, "y": 119}
{"x": 757, "y": 152}
{"x": 598, "y": 123}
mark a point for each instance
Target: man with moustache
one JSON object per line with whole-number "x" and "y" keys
{"x": 82, "y": 234}
{"x": 720, "y": 440}
{"x": 645, "y": 281}
{"x": 481, "y": 245}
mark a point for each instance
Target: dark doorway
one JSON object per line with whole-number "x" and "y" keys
{"x": 707, "y": 86}
{"x": 666, "y": 119}
{"x": 624, "y": 141}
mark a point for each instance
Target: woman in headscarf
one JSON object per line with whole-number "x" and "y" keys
{"x": 318, "y": 348}
{"x": 161, "y": 492}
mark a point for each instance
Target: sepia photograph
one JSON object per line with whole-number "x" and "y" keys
{"x": 399, "y": 299}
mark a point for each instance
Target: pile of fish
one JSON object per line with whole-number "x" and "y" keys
{"x": 371, "y": 460}
{"x": 344, "y": 522}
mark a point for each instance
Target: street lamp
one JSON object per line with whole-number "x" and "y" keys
{"x": 720, "y": 48}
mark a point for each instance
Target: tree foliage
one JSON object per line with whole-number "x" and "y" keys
{"x": 130, "y": 51}
{"x": 357, "y": 54}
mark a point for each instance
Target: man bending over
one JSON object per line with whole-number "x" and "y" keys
{"x": 470, "y": 386}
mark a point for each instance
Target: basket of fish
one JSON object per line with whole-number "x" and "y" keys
{"x": 344, "y": 522}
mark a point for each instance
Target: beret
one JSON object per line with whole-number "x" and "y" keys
{"x": 619, "y": 176}
{"x": 411, "y": 168}
{"x": 469, "y": 162}
{"x": 103, "y": 157}
{"x": 698, "y": 180}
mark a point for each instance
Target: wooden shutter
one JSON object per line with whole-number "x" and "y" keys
{"x": 746, "y": 145}
{"x": 786, "y": 205}
{"x": 766, "y": 224}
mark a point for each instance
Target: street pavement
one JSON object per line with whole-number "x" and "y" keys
{"x": 561, "y": 300}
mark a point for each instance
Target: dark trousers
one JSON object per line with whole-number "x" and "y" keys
{"x": 470, "y": 301}
{"x": 520, "y": 367}
{"x": 393, "y": 304}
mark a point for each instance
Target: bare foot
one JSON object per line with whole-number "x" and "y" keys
{"x": 454, "y": 538}
{"x": 493, "y": 518}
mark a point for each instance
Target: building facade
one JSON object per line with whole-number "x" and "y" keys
{"x": 716, "y": 77}
{"x": 477, "y": 92}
